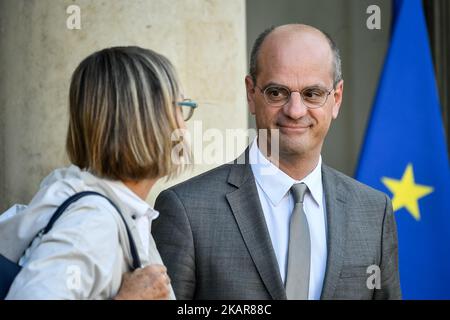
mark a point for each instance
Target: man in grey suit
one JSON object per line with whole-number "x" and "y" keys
{"x": 301, "y": 231}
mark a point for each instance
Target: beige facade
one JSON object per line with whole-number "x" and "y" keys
{"x": 205, "y": 39}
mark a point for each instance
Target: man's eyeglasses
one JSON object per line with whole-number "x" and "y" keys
{"x": 279, "y": 96}
{"x": 187, "y": 108}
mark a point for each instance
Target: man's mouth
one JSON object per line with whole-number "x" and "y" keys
{"x": 294, "y": 126}
{"x": 293, "y": 129}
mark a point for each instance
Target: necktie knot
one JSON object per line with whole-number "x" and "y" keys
{"x": 298, "y": 192}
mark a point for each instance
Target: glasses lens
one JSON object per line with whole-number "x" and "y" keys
{"x": 187, "y": 108}
{"x": 187, "y": 112}
{"x": 276, "y": 96}
{"x": 314, "y": 97}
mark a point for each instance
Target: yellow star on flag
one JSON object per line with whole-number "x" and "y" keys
{"x": 406, "y": 193}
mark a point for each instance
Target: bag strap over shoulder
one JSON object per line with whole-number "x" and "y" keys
{"x": 77, "y": 196}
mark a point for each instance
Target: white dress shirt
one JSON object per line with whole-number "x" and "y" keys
{"x": 143, "y": 214}
{"x": 277, "y": 204}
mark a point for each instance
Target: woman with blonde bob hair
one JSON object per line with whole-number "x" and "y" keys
{"x": 125, "y": 104}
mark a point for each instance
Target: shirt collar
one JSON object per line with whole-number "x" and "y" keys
{"x": 276, "y": 184}
{"x": 138, "y": 206}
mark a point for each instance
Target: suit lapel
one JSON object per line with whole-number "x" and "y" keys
{"x": 336, "y": 233}
{"x": 246, "y": 208}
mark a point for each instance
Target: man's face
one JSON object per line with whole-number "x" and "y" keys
{"x": 296, "y": 62}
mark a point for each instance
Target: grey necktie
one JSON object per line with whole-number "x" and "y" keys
{"x": 299, "y": 253}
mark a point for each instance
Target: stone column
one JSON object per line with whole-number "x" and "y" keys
{"x": 38, "y": 52}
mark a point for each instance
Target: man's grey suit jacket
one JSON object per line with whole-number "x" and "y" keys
{"x": 212, "y": 236}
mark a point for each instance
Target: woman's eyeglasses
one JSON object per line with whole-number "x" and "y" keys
{"x": 187, "y": 108}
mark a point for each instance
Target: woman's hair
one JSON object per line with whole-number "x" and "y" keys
{"x": 122, "y": 114}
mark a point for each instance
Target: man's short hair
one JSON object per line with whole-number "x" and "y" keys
{"x": 337, "y": 69}
{"x": 122, "y": 114}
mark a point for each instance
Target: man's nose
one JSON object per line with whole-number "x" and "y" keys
{"x": 295, "y": 108}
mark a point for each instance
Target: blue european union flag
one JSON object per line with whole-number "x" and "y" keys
{"x": 405, "y": 155}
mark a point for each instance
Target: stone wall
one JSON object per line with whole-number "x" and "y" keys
{"x": 205, "y": 40}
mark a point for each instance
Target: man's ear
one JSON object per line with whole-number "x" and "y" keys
{"x": 250, "y": 88}
{"x": 338, "y": 93}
